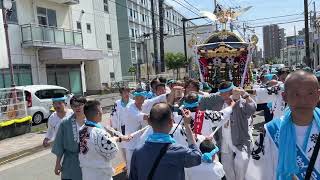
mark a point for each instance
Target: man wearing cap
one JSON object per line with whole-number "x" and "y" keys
{"x": 61, "y": 113}
{"x": 235, "y": 136}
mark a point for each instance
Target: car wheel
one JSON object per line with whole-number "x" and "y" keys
{"x": 37, "y": 118}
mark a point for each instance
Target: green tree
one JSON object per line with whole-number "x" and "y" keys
{"x": 271, "y": 61}
{"x": 175, "y": 61}
{"x": 133, "y": 71}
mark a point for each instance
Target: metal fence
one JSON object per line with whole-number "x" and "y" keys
{"x": 12, "y": 104}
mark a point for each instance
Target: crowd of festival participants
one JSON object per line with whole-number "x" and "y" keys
{"x": 175, "y": 130}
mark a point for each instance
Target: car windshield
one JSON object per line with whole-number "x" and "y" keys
{"x": 49, "y": 93}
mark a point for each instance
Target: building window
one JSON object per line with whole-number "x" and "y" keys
{"x": 133, "y": 53}
{"x": 13, "y": 18}
{"x": 143, "y": 18}
{"x": 134, "y": 14}
{"x": 79, "y": 26}
{"x": 136, "y": 33}
{"x": 88, "y": 28}
{"x": 132, "y": 32}
{"x": 112, "y": 75}
{"x": 130, "y": 12}
{"x": 106, "y": 6}
{"x": 47, "y": 17}
{"x": 22, "y": 76}
{"x": 167, "y": 14}
{"x": 109, "y": 41}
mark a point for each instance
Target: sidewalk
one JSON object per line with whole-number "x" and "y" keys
{"x": 27, "y": 144}
{"x": 106, "y": 100}
{"x": 20, "y": 146}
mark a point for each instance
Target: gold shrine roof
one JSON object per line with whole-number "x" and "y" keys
{"x": 222, "y": 44}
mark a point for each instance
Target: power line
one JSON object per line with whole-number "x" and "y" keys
{"x": 188, "y": 8}
{"x": 287, "y": 22}
{"x": 272, "y": 17}
{"x": 191, "y": 5}
{"x": 178, "y": 2}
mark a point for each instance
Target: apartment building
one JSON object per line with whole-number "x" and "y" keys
{"x": 134, "y": 20}
{"x": 70, "y": 43}
{"x": 292, "y": 55}
{"x": 273, "y": 41}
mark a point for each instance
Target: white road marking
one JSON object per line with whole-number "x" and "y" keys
{"x": 24, "y": 160}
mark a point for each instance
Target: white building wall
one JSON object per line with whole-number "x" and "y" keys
{"x": 62, "y": 11}
{"x": 89, "y": 39}
{"x": 67, "y": 16}
{"x": 102, "y": 23}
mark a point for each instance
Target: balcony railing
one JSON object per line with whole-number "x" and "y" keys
{"x": 68, "y": 2}
{"x": 44, "y": 36}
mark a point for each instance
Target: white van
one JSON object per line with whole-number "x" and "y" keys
{"x": 39, "y": 100}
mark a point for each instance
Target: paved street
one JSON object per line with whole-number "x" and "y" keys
{"x": 40, "y": 166}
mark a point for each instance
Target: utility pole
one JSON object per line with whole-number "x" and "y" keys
{"x": 161, "y": 14}
{"x": 184, "y": 20}
{"x": 215, "y": 11}
{"x": 244, "y": 31}
{"x": 154, "y": 35}
{"x": 295, "y": 45}
{"x": 311, "y": 38}
{"x": 306, "y": 27}
{"x": 314, "y": 13}
{"x": 185, "y": 42}
{"x": 5, "y": 15}
{"x": 145, "y": 46}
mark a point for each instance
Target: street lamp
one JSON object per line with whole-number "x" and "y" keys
{"x": 6, "y": 11}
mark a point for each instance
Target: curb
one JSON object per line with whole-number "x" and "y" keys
{"x": 35, "y": 149}
{"x": 21, "y": 154}
{"x": 32, "y": 150}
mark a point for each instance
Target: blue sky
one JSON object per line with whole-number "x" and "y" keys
{"x": 260, "y": 9}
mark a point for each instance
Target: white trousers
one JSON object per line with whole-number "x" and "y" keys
{"x": 129, "y": 153}
{"x": 236, "y": 166}
{"x": 123, "y": 154}
{"x": 96, "y": 174}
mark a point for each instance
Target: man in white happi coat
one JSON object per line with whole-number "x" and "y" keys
{"x": 290, "y": 140}
{"x": 61, "y": 113}
{"x": 97, "y": 147}
{"x": 118, "y": 116}
{"x": 204, "y": 122}
{"x": 136, "y": 116}
{"x": 273, "y": 94}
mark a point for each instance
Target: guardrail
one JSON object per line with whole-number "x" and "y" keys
{"x": 39, "y": 35}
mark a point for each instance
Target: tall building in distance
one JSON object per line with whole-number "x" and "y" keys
{"x": 273, "y": 41}
{"x": 134, "y": 20}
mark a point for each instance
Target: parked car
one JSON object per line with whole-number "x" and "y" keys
{"x": 39, "y": 100}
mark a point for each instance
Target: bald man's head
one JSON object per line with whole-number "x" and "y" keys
{"x": 301, "y": 90}
{"x": 300, "y": 76}
{"x": 160, "y": 116}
